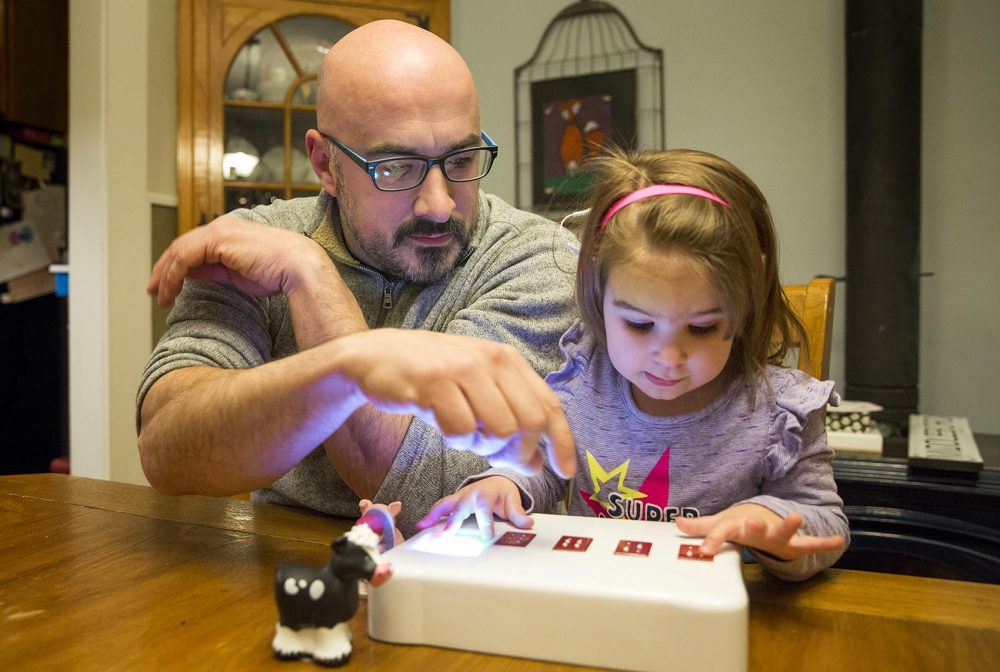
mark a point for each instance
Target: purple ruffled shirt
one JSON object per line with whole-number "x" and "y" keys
{"x": 771, "y": 452}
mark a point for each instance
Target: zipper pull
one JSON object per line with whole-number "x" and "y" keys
{"x": 387, "y": 296}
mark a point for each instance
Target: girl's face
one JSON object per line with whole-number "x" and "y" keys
{"x": 666, "y": 333}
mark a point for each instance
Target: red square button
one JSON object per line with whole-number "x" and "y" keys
{"x": 626, "y": 547}
{"x": 570, "y": 543}
{"x": 692, "y": 552}
{"x": 515, "y": 539}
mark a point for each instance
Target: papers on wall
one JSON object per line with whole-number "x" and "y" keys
{"x": 21, "y": 250}
{"x": 45, "y": 211}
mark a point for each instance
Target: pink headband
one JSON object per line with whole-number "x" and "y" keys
{"x": 657, "y": 190}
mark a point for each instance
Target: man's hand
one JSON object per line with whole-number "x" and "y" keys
{"x": 483, "y": 396}
{"x": 759, "y": 528}
{"x": 484, "y": 498}
{"x": 257, "y": 259}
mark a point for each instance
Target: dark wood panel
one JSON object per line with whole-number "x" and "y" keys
{"x": 34, "y": 68}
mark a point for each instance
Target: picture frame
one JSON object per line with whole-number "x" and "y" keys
{"x": 571, "y": 119}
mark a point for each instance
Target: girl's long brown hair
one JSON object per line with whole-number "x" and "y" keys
{"x": 736, "y": 246}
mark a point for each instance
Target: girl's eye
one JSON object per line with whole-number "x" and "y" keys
{"x": 703, "y": 330}
{"x": 640, "y": 327}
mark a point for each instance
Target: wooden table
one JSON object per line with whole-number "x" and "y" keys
{"x": 104, "y": 576}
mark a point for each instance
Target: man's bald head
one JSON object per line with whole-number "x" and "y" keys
{"x": 389, "y": 66}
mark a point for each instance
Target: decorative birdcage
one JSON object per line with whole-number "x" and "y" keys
{"x": 590, "y": 83}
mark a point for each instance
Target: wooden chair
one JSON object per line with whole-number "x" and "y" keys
{"x": 813, "y": 303}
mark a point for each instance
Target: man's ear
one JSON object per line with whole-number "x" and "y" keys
{"x": 318, "y": 150}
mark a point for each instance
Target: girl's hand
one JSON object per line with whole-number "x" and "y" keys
{"x": 759, "y": 528}
{"x": 484, "y": 498}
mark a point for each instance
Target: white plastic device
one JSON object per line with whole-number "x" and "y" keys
{"x": 636, "y": 596}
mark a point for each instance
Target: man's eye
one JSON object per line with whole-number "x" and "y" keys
{"x": 461, "y": 165}
{"x": 394, "y": 170}
{"x": 703, "y": 330}
{"x": 459, "y": 162}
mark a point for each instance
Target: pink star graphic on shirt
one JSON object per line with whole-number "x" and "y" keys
{"x": 656, "y": 487}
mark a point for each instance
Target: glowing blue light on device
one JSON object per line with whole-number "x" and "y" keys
{"x": 458, "y": 544}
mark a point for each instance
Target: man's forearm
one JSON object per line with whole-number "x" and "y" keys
{"x": 363, "y": 450}
{"x": 219, "y": 431}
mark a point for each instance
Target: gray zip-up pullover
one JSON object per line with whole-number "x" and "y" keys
{"x": 514, "y": 285}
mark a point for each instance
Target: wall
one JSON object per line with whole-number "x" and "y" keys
{"x": 162, "y": 97}
{"x": 960, "y": 204}
{"x": 123, "y": 201}
{"x": 108, "y": 233}
{"x": 762, "y": 83}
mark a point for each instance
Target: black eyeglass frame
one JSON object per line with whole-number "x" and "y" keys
{"x": 370, "y": 166}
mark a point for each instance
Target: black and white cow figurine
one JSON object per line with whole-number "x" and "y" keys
{"x": 315, "y": 603}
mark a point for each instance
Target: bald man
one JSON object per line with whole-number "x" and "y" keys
{"x": 381, "y": 340}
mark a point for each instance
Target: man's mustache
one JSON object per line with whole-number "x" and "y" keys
{"x": 426, "y": 227}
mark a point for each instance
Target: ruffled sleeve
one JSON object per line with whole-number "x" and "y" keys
{"x": 577, "y": 347}
{"x": 797, "y": 396}
{"x": 798, "y": 469}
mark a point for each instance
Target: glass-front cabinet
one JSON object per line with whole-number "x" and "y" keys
{"x": 247, "y": 94}
{"x": 269, "y": 103}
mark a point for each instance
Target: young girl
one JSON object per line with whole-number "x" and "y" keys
{"x": 670, "y": 385}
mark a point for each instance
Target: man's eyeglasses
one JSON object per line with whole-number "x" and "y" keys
{"x": 400, "y": 173}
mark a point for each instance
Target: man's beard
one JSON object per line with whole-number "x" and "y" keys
{"x": 434, "y": 262}
{"x": 394, "y": 259}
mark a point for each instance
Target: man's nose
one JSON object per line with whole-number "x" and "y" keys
{"x": 434, "y": 201}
